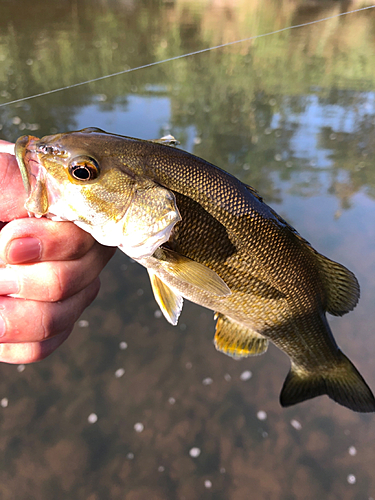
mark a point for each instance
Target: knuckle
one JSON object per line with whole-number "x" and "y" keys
{"x": 82, "y": 244}
{"x": 59, "y": 285}
{"x": 68, "y": 242}
{"x": 45, "y": 325}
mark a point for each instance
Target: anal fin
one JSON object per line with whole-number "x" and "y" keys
{"x": 170, "y": 303}
{"x": 236, "y": 340}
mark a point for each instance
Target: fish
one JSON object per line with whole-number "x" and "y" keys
{"x": 205, "y": 236}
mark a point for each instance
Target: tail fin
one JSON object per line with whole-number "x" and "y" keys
{"x": 343, "y": 383}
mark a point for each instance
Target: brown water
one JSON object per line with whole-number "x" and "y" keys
{"x": 131, "y": 407}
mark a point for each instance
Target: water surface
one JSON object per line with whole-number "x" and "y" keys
{"x": 131, "y": 407}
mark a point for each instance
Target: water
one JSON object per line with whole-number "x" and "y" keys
{"x": 131, "y": 407}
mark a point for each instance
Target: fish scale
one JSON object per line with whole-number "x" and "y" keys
{"x": 219, "y": 246}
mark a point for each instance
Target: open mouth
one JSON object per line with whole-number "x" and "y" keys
{"x": 32, "y": 174}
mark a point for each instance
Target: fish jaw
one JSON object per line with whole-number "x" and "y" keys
{"x": 20, "y": 149}
{"x": 33, "y": 174}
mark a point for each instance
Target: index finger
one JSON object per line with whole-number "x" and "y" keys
{"x": 13, "y": 194}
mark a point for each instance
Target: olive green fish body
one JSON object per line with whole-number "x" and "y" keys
{"x": 280, "y": 305}
{"x": 281, "y": 288}
{"x": 209, "y": 238}
{"x": 274, "y": 275}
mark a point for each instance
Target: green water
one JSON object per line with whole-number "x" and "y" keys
{"x": 292, "y": 114}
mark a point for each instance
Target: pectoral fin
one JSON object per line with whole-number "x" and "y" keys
{"x": 191, "y": 272}
{"x": 169, "y": 302}
{"x": 236, "y": 340}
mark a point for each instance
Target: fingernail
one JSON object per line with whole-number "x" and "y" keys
{"x": 24, "y": 250}
{"x": 8, "y": 281}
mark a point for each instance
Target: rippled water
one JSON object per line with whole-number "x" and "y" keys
{"x": 131, "y": 407}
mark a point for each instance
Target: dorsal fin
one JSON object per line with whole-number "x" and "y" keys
{"x": 341, "y": 286}
{"x": 236, "y": 340}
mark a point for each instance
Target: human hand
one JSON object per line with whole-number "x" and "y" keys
{"x": 49, "y": 268}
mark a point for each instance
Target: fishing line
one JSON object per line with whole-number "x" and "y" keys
{"x": 182, "y": 56}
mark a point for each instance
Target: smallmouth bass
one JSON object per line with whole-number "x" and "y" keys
{"x": 205, "y": 236}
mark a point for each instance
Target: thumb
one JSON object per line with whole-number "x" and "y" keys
{"x": 13, "y": 194}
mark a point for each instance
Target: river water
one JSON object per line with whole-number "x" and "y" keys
{"x": 131, "y": 407}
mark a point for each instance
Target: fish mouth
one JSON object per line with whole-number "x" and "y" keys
{"x": 28, "y": 161}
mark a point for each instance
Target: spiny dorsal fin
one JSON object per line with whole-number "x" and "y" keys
{"x": 168, "y": 140}
{"x": 191, "y": 272}
{"x": 170, "y": 303}
{"x": 342, "y": 383}
{"x": 254, "y": 192}
{"x": 236, "y": 340}
{"x": 341, "y": 286}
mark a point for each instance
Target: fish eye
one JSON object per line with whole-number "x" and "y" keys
{"x": 84, "y": 168}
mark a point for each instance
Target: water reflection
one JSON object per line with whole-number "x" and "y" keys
{"x": 291, "y": 114}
